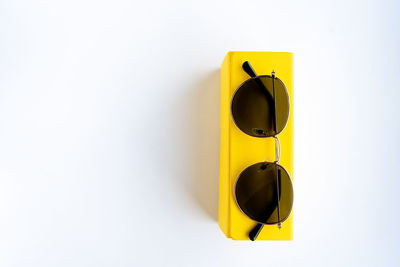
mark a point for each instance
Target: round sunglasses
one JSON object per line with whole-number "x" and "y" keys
{"x": 263, "y": 191}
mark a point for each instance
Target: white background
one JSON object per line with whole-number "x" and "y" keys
{"x": 109, "y": 131}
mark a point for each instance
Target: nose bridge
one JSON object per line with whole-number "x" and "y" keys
{"x": 277, "y": 149}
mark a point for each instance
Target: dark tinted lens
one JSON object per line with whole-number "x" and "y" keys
{"x": 256, "y": 193}
{"x": 253, "y": 106}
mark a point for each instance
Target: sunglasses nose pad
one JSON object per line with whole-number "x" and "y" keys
{"x": 259, "y": 132}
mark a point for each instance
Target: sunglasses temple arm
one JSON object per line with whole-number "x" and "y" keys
{"x": 278, "y": 177}
{"x": 273, "y": 92}
{"x": 255, "y": 231}
{"x": 248, "y": 69}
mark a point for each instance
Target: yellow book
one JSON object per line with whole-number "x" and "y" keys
{"x": 239, "y": 150}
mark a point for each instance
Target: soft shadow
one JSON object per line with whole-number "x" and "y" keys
{"x": 204, "y": 98}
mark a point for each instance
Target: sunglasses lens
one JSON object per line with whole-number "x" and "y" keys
{"x": 253, "y": 106}
{"x": 257, "y": 193}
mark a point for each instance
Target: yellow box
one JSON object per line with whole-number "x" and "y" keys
{"x": 239, "y": 150}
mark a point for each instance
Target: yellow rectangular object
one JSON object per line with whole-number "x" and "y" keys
{"x": 239, "y": 150}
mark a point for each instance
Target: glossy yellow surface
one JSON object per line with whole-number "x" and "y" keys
{"x": 239, "y": 150}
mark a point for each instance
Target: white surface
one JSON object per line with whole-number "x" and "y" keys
{"x": 109, "y": 140}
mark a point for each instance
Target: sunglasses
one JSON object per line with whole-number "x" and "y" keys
{"x": 260, "y": 109}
